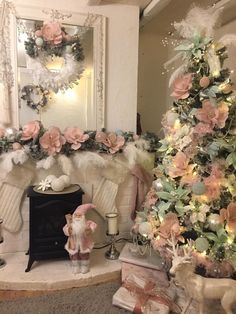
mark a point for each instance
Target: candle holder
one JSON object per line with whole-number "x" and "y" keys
{"x": 2, "y": 262}
{"x": 112, "y": 231}
{"x": 112, "y": 252}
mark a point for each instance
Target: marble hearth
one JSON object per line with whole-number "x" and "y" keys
{"x": 55, "y": 274}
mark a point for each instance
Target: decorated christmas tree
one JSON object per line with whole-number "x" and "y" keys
{"x": 193, "y": 195}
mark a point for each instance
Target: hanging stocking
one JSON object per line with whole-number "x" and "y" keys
{"x": 11, "y": 191}
{"x": 104, "y": 197}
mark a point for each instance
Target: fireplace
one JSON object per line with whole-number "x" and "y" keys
{"x": 46, "y": 220}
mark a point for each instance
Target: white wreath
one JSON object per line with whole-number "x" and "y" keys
{"x": 55, "y": 80}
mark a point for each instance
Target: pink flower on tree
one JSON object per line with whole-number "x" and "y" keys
{"x": 182, "y": 86}
{"x": 212, "y": 187}
{"x": 75, "y": 136}
{"x": 52, "y": 141}
{"x": 51, "y": 32}
{"x": 229, "y": 215}
{"x": 223, "y": 114}
{"x": 212, "y": 115}
{"x": 169, "y": 226}
{"x": 30, "y": 130}
{"x": 113, "y": 141}
{"x": 208, "y": 113}
{"x": 180, "y": 165}
{"x": 218, "y": 168}
{"x": 151, "y": 198}
{"x": 202, "y": 129}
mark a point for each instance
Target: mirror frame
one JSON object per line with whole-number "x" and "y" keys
{"x": 98, "y": 23}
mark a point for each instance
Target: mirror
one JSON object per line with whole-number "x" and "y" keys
{"x": 81, "y": 104}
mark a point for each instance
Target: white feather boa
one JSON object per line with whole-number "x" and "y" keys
{"x": 8, "y": 160}
{"x": 46, "y": 163}
{"x": 65, "y": 164}
{"x": 83, "y": 160}
{"x": 136, "y": 153}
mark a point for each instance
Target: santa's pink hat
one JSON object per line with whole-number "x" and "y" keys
{"x": 82, "y": 209}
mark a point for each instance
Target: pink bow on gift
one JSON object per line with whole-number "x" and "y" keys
{"x": 148, "y": 292}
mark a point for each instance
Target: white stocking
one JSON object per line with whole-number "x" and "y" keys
{"x": 12, "y": 188}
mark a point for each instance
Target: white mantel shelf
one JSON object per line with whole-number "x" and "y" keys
{"x": 55, "y": 274}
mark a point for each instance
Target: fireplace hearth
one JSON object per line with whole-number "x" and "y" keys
{"x": 46, "y": 220}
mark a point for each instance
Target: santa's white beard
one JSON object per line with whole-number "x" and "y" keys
{"x": 78, "y": 226}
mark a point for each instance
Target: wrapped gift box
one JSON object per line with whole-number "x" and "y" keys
{"x": 142, "y": 295}
{"x": 148, "y": 265}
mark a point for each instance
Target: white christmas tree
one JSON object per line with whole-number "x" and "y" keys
{"x": 194, "y": 194}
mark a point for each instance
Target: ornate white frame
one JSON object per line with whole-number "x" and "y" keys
{"x": 98, "y": 23}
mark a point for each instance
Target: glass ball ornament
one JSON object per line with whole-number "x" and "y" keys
{"x": 201, "y": 244}
{"x": 68, "y": 49}
{"x": 39, "y": 41}
{"x": 10, "y": 133}
{"x": 199, "y": 188}
{"x": 157, "y": 185}
{"x": 214, "y": 222}
{"x": 145, "y": 228}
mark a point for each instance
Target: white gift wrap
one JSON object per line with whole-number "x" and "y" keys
{"x": 125, "y": 299}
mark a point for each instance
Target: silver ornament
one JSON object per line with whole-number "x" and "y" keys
{"x": 214, "y": 222}
{"x": 39, "y": 41}
{"x": 157, "y": 185}
{"x": 68, "y": 49}
{"x": 145, "y": 228}
{"x": 10, "y": 133}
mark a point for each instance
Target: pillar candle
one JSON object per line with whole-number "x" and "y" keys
{"x": 112, "y": 223}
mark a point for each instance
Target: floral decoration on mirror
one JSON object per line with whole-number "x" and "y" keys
{"x": 55, "y": 57}
{"x": 31, "y": 92}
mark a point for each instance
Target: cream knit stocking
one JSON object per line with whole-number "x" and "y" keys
{"x": 11, "y": 191}
{"x": 104, "y": 197}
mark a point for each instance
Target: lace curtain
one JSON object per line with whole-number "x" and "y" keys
{"x": 6, "y": 73}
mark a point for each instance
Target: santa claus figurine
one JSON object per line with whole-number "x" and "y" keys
{"x": 80, "y": 242}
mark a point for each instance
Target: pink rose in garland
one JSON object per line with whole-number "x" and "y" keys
{"x": 51, "y": 32}
{"x": 75, "y": 136}
{"x": 113, "y": 141}
{"x": 30, "y": 130}
{"x": 182, "y": 86}
{"x": 16, "y": 146}
{"x": 52, "y": 141}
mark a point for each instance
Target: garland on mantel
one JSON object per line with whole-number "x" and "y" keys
{"x": 39, "y": 143}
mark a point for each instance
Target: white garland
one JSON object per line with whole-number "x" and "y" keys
{"x": 55, "y": 80}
